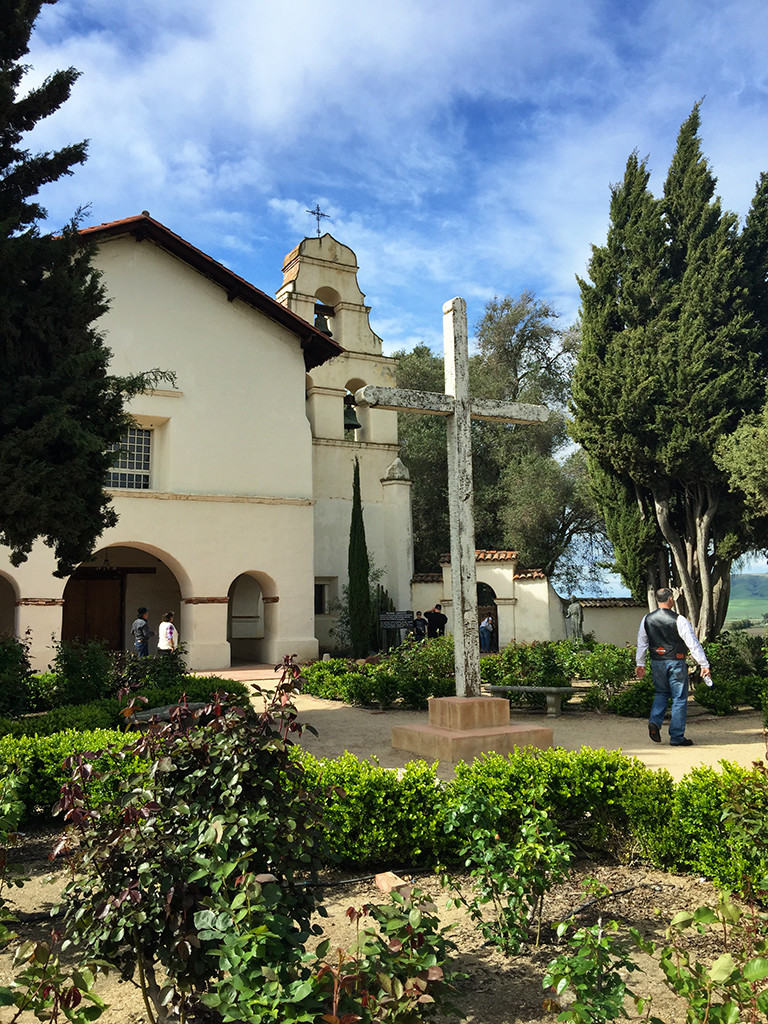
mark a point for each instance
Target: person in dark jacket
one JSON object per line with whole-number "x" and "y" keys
{"x": 668, "y": 637}
{"x": 436, "y": 621}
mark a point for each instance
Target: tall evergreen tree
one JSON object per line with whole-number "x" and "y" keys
{"x": 668, "y": 365}
{"x": 59, "y": 408}
{"x": 358, "y": 570}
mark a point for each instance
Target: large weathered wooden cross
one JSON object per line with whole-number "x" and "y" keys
{"x": 460, "y": 410}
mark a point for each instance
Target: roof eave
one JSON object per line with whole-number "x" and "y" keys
{"x": 317, "y": 348}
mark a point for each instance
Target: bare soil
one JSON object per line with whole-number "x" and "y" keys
{"x": 497, "y": 989}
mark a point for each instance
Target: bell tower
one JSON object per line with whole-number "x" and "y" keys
{"x": 320, "y": 285}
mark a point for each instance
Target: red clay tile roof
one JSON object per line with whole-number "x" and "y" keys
{"x": 317, "y": 347}
{"x": 611, "y": 602}
{"x": 531, "y": 574}
{"x": 485, "y": 556}
{"x": 427, "y": 577}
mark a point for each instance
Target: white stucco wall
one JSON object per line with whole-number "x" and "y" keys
{"x": 232, "y": 475}
{"x": 612, "y": 625}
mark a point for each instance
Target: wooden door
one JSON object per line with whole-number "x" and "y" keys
{"x": 93, "y": 609}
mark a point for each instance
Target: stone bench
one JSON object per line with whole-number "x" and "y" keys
{"x": 554, "y": 695}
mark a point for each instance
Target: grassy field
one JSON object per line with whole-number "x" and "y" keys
{"x": 749, "y": 598}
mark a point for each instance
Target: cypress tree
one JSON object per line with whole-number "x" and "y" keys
{"x": 668, "y": 365}
{"x": 358, "y": 570}
{"x": 59, "y": 408}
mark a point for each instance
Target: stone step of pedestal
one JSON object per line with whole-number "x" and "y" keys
{"x": 435, "y": 743}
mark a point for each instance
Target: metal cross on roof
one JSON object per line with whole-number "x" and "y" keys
{"x": 318, "y": 213}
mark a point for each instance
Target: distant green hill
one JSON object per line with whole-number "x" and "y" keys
{"x": 749, "y": 598}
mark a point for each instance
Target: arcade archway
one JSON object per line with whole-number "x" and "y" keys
{"x": 102, "y": 596}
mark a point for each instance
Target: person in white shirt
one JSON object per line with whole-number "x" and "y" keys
{"x": 668, "y": 637}
{"x": 168, "y": 637}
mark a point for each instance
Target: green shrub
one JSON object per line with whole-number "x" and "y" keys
{"x": 156, "y": 670}
{"x": 510, "y": 876}
{"x": 376, "y": 815}
{"x": 44, "y": 691}
{"x": 368, "y": 684}
{"x": 85, "y": 671}
{"x": 535, "y": 664}
{"x": 327, "y": 679}
{"x": 215, "y": 845}
{"x": 98, "y": 714}
{"x": 724, "y": 697}
{"x": 40, "y": 759}
{"x": 600, "y": 799}
{"x": 196, "y": 688}
{"x": 410, "y": 673}
{"x": 634, "y": 701}
{"x": 755, "y": 688}
{"x": 609, "y": 667}
{"x": 571, "y": 654}
{"x": 704, "y": 844}
{"x": 423, "y": 669}
{"x": 733, "y": 655}
{"x": 15, "y": 671}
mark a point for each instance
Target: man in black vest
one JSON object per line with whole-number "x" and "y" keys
{"x": 668, "y": 637}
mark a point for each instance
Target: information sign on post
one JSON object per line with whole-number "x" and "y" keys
{"x": 395, "y": 620}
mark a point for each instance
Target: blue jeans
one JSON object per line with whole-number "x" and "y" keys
{"x": 485, "y": 639}
{"x": 142, "y": 648}
{"x": 670, "y": 681}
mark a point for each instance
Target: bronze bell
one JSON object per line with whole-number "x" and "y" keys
{"x": 350, "y": 417}
{"x": 321, "y": 324}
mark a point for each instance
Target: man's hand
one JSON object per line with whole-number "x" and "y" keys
{"x": 706, "y": 672}
{"x": 639, "y": 671}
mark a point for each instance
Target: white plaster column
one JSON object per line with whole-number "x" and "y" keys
{"x": 399, "y": 557}
{"x": 275, "y": 645}
{"x": 505, "y": 615}
{"x": 41, "y": 616}
{"x": 203, "y": 631}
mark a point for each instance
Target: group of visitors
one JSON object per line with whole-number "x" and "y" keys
{"x": 432, "y": 624}
{"x": 168, "y": 635}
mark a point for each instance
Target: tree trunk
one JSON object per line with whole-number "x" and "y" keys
{"x": 697, "y": 571}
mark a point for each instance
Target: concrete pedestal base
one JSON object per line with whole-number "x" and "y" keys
{"x": 462, "y": 728}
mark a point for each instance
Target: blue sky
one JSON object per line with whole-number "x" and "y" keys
{"x": 460, "y": 149}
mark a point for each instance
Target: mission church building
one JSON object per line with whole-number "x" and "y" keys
{"x": 234, "y": 490}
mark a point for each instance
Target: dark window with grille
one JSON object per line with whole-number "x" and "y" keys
{"x": 132, "y": 463}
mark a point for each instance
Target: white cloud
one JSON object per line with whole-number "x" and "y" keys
{"x": 460, "y": 149}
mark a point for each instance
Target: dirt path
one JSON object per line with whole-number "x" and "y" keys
{"x": 738, "y": 738}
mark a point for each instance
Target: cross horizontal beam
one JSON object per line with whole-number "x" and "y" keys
{"x": 437, "y": 404}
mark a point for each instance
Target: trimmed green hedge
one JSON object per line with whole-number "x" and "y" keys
{"x": 39, "y": 761}
{"x": 107, "y": 714}
{"x": 602, "y": 801}
{"x": 711, "y": 823}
